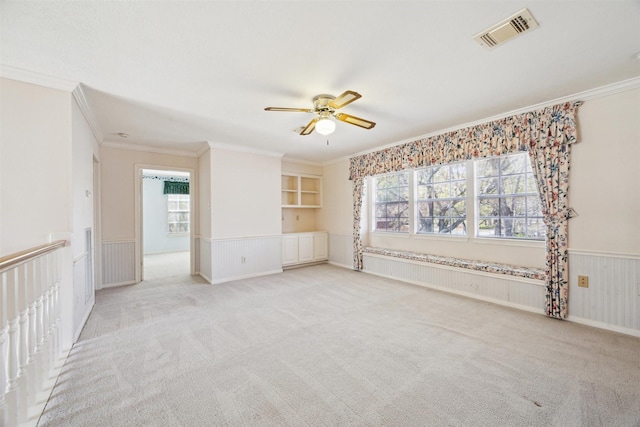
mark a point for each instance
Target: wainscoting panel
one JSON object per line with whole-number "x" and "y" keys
{"x": 613, "y": 295}
{"x": 118, "y": 263}
{"x": 502, "y": 289}
{"x": 341, "y": 250}
{"x": 233, "y": 259}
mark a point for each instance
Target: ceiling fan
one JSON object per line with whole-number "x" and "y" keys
{"x": 326, "y": 106}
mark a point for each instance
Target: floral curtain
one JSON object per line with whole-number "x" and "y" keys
{"x": 358, "y": 198}
{"x": 546, "y": 134}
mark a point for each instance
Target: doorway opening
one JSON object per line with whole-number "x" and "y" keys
{"x": 166, "y": 223}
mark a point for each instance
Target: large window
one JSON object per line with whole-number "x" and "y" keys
{"x": 441, "y": 199}
{"x": 178, "y": 213}
{"x": 391, "y": 202}
{"x": 494, "y": 197}
{"x": 508, "y": 204}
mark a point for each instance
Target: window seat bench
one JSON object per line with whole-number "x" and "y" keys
{"x": 489, "y": 267}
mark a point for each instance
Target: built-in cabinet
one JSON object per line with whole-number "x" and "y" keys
{"x": 301, "y": 191}
{"x": 301, "y": 248}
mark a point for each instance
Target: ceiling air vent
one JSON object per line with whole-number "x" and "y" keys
{"x": 514, "y": 25}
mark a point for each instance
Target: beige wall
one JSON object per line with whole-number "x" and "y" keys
{"x": 336, "y": 215}
{"x": 245, "y": 194}
{"x": 605, "y": 174}
{"x": 117, "y": 167}
{"x": 35, "y": 165}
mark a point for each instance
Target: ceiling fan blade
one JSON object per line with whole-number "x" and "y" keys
{"x": 353, "y": 120}
{"x": 345, "y": 99}
{"x": 292, "y": 110}
{"x": 310, "y": 127}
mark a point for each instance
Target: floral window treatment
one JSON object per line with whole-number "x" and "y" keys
{"x": 546, "y": 134}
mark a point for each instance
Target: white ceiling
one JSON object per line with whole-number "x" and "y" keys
{"x": 175, "y": 74}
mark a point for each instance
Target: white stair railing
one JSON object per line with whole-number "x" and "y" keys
{"x": 29, "y": 331}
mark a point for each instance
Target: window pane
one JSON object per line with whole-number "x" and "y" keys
{"x": 392, "y": 202}
{"x": 513, "y": 204}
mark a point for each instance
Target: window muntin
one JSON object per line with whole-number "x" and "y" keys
{"x": 508, "y": 204}
{"x": 440, "y": 206}
{"x": 391, "y": 202}
{"x": 178, "y": 213}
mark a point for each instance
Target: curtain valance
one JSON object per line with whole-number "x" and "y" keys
{"x": 173, "y": 187}
{"x": 507, "y": 135}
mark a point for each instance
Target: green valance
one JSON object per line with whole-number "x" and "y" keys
{"x": 172, "y": 187}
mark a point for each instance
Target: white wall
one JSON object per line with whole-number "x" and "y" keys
{"x": 84, "y": 149}
{"x": 35, "y": 150}
{"x": 245, "y": 216}
{"x": 245, "y": 194}
{"x": 156, "y": 237}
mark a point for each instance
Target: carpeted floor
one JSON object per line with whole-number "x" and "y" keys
{"x": 326, "y": 346}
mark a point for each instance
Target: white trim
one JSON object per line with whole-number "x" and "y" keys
{"x": 505, "y": 276}
{"x": 106, "y": 242}
{"x": 586, "y": 95}
{"x": 462, "y": 293}
{"x": 245, "y": 276}
{"x": 87, "y": 112}
{"x": 193, "y": 215}
{"x": 205, "y": 277}
{"x": 35, "y": 78}
{"x": 254, "y": 237}
{"x": 113, "y": 285}
{"x": 80, "y": 257}
{"x": 300, "y": 161}
{"x": 205, "y": 147}
{"x": 605, "y": 326}
{"x": 147, "y": 149}
{"x": 77, "y": 333}
{"x": 349, "y": 267}
{"x": 605, "y": 254}
{"x": 243, "y": 149}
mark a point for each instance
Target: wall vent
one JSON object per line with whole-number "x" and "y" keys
{"x": 514, "y": 25}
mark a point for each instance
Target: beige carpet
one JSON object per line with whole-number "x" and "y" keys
{"x": 325, "y": 346}
{"x": 158, "y": 266}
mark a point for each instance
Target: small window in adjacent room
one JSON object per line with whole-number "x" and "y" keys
{"x": 178, "y": 213}
{"x": 441, "y": 199}
{"x": 391, "y": 202}
{"x": 508, "y": 204}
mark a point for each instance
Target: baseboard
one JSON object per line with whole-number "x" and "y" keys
{"x": 304, "y": 264}
{"x": 205, "y": 277}
{"x": 113, "y": 285}
{"x": 605, "y": 326}
{"x": 337, "y": 264}
{"x": 76, "y": 335}
{"x": 462, "y": 293}
{"x": 245, "y": 276}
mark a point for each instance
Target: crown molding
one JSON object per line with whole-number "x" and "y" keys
{"x": 39, "y": 79}
{"x": 599, "y": 92}
{"x": 87, "y": 112}
{"x": 243, "y": 149}
{"x": 301, "y": 161}
{"x": 148, "y": 149}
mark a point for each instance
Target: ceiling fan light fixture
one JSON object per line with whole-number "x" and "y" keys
{"x": 325, "y": 126}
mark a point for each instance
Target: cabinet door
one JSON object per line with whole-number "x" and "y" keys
{"x": 305, "y": 247}
{"x": 320, "y": 247}
{"x": 289, "y": 250}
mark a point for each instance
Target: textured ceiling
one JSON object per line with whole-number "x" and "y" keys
{"x": 175, "y": 74}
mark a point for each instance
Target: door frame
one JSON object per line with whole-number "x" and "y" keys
{"x": 193, "y": 211}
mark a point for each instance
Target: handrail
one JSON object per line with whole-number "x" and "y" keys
{"x": 18, "y": 257}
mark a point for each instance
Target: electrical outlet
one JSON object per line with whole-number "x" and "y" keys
{"x": 243, "y": 260}
{"x": 583, "y": 281}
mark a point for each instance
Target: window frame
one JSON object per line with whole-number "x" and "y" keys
{"x": 471, "y": 204}
{"x": 374, "y": 203}
{"x": 179, "y": 198}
